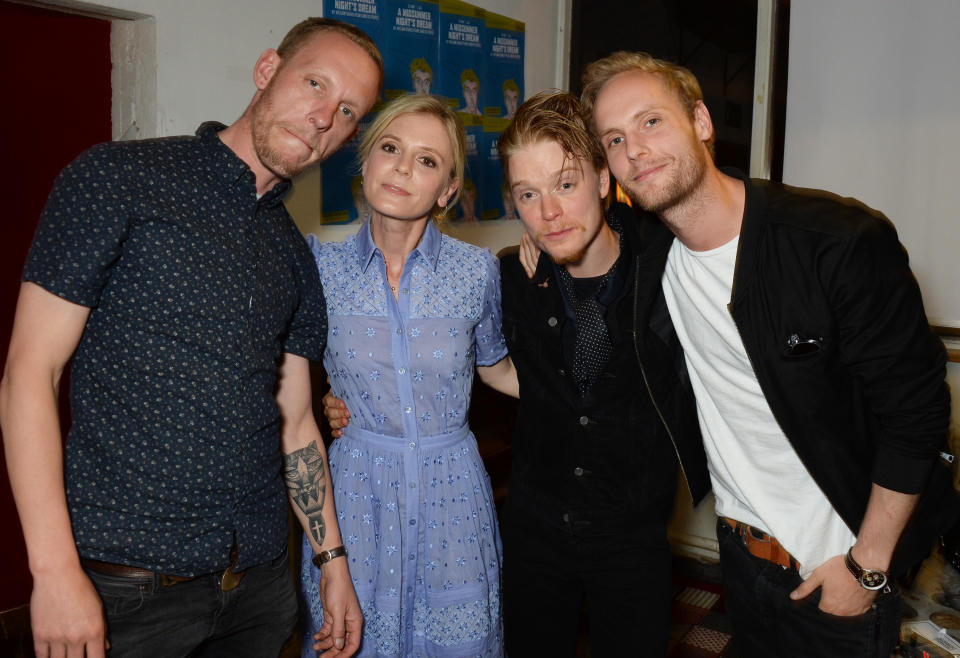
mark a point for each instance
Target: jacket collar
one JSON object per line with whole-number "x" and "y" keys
{"x": 751, "y": 229}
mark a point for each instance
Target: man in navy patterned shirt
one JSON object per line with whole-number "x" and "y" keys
{"x": 172, "y": 276}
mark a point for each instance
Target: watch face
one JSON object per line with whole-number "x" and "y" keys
{"x": 873, "y": 579}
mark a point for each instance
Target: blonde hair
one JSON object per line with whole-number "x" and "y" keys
{"x": 422, "y": 104}
{"x": 420, "y": 64}
{"x": 679, "y": 80}
{"x": 553, "y": 116}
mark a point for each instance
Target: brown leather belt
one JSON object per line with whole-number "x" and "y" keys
{"x": 229, "y": 579}
{"x": 762, "y": 545}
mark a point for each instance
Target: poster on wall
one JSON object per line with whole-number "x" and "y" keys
{"x": 409, "y": 47}
{"x": 443, "y": 47}
{"x": 342, "y": 196}
{"x": 495, "y": 199}
{"x": 504, "y": 61}
{"x": 468, "y": 207}
{"x": 365, "y": 14}
{"x": 462, "y": 42}
{"x": 343, "y": 200}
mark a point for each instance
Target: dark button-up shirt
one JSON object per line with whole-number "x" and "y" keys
{"x": 595, "y": 463}
{"x": 196, "y": 289}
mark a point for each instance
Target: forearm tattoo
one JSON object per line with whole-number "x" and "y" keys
{"x": 306, "y": 481}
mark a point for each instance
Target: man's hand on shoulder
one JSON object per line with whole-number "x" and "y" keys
{"x": 67, "y": 615}
{"x": 529, "y": 255}
{"x": 840, "y": 592}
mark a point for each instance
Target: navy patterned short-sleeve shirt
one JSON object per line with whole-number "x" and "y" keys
{"x": 196, "y": 289}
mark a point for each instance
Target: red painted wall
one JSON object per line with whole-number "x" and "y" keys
{"x": 55, "y": 103}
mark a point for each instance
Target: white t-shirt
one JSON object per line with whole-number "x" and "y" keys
{"x": 757, "y": 477}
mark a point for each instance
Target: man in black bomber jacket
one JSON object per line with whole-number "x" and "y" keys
{"x": 599, "y": 429}
{"x": 819, "y": 385}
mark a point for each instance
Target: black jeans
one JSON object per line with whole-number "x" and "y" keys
{"x": 548, "y": 571}
{"x": 197, "y": 618}
{"x": 766, "y": 622}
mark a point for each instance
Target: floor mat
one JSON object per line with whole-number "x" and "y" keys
{"x": 699, "y": 626}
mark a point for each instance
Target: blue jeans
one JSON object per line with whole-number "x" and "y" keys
{"x": 197, "y": 618}
{"x": 766, "y": 622}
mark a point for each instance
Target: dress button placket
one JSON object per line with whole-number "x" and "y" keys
{"x": 398, "y": 310}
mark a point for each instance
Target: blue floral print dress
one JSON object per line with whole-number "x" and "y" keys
{"x": 413, "y": 500}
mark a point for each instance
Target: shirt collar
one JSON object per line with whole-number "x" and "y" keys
{"x": 232, "y": 169}
{"x": 428, "y": 247}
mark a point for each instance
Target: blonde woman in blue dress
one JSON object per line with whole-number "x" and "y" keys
{"x": 411, "y": 313}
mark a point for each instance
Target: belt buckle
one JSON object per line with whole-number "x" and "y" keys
{"x": 230, "y": 580}
{"x": 757, "y": 534}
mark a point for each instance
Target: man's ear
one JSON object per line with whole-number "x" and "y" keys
{"x": 604, "y": 175}
{"x": 266, "y": 67}
{"x": 702, "y": 122}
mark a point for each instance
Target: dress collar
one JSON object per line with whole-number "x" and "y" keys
{"x": 428, "y": 248}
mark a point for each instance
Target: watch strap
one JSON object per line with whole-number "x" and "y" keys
{"x": 870, "y": 579}
{"x": 323, "y": 557}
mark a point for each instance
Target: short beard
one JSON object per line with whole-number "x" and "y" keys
{"x": 575, "y": 257}
{"x": 260, "y": 128}
{"x": 690, "y": 174}
{"x": 572, "y": 257}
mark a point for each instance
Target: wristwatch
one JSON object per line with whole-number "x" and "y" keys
{"x": 871, "y": 579}
{"x": 323, "y": 557}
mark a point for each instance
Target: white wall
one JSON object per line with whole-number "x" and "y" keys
{"x": 873, "y": 111}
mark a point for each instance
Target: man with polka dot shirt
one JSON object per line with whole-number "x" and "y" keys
{"x": 170, "y": 276}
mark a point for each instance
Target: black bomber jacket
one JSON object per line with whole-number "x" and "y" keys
{"x": 833, "y": 323}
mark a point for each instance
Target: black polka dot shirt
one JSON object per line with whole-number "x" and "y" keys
{"x": 196, "y": 289}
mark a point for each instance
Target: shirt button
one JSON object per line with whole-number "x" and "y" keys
{"x": 402, "y": 370}
{"x": 413, "y": 522}
{"x": 413, "y": 445}
{"x": 552, "y": 321}
{"x": 407, "y": 410}
{"x": 413, "y": 485}
{"x": 412, "y": 557}
{"x": 399, "y": 331}
{"x": 409, "y": 590}
{"x": 578, "y": 471}
{"x": 561, "y": 372}
{"x": 584, "y": 420}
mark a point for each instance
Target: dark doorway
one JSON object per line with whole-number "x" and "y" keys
{"x": 715, "y": 40}
{"x": 57, "y": 103}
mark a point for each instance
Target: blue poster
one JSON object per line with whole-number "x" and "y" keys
{"x": 504, "y": 89}
{"x": 342, "y": 199}
{"x": 470, "y": 56}
{"x": 462, "y": 45}
{"x": 365, "y": 14}
{"x": 495, "y": 199}
{"x": 409, "y": 47}
{"x": 468, "y": 208}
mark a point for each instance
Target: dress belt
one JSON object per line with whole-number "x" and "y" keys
{"x": 400, "y": 443}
